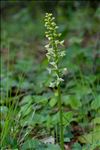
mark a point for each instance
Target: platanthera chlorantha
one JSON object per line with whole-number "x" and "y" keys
{"x": 54, "y": 55}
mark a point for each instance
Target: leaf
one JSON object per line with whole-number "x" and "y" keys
{"x": 66, "y": 99}
{"x": 39, "y": 119}
{"x": 52, "y": 147}
{"x": 96, "y": 103}
{"x": 55, "y": 118}
{"x": 53, "y": 102}
{"x": 75, "y": 102}
{"x": 41, "y": 99}
{"x": 91, "y": 138}
{"x": 76, "y": 146}
{"x": 26, "y": 99}
{"x": 96, "y": 120}
{"x": 67, "y": 118}
{"x": 26, "y": 109}
{"x": 31, "y": 144}
{"x": 67, "y": 139}
{"x": 34, "y": 144}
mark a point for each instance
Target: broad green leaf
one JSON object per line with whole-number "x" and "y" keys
{"x": 53, "y": 102}
{"x": 31, "y": 144}
{"x": 52, "y": 147}
{"x": 96, "y": 103}
{"x": 96, "y": 120}
{"x": 66, "y": 99}
{"x": 41, "y": 99}
{"x": 76, "y": 146}
{"x": 25, "y": 109}
{"x": 55, "y": 118}
{"x": 90, "y": 138}
{"x": 26, "y": 100}
{"x": 75, "y": 102}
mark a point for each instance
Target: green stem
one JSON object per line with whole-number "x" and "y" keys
{"x": 59, "y": 99}
{"x": 61, "y": 118}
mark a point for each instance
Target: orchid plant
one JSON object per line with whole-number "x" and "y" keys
{"x": 54, "y": 55}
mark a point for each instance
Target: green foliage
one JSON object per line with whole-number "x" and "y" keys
{"x": 35, "y": 144}
{"x": 28, "y": 107}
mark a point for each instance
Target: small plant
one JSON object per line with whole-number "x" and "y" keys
{"x": 54, "y": 55}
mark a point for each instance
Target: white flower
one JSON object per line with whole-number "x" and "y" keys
{"x": 53, "y": 64}
{"x": 52, "y": 84}
{"x": 56, "y": 27}
{"x": 49, "y": 38}
{"x": 62, "y": 42}
{"x": 49, "y": 70}
{"x": 48, "y": 56}
{"x": 47, "y": 46}
{"x": 65, "y": 71}
{"x": 57, "y": 41}
{"x": 47, "y": 35}
{"x": 62, "y": 53}
{"x": 53, "y": 18}
{"x": 50, "y": 50}
{"x": 59, "y": 80}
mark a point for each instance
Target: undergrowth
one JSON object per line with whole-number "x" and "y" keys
{"x": 29, "y": 103}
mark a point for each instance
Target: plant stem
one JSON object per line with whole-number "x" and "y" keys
{"x": 54, "y": 54}
{"x": 61, "y": 118}
{"x": 59, "y": 102}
